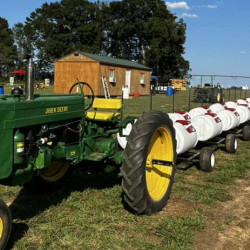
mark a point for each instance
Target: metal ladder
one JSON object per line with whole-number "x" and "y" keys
{"x": 105, "y": 87}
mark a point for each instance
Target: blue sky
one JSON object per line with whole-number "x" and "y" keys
{"x": 218, "y": 35}
{"x": 218, "y": 32}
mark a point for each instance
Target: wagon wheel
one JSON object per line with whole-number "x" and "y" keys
{"x": 87, "y": 92}
{"x": 231, "y": 143}
{"x": 246, "y": 133}
{"x": 5, "y": 224}
{"x": 207, "y": 159}
{"x": 149, "y": 163}
{"x": 49, "y": 178}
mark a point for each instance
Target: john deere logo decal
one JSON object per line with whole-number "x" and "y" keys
{"x": 56, "y": 110}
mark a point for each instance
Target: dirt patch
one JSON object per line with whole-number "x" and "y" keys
{"x": 178, "y": 208}
{"x": 228, "y": 226}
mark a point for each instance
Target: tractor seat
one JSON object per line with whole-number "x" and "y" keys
{"x": 105, "y": 109}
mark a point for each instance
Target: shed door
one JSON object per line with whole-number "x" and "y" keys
{"x": 128, "y": 75}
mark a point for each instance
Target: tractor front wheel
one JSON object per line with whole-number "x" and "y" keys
{"x": 49, "y": 178}
{"x": 5, "y": 224}
{"x": 149, "y": 163}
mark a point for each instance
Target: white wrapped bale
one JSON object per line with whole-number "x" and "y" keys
{"x": 184, "y": 114}
{"x": 186, "y": 136}
{"x": 126, "y": 131}
{"x": 244, "y": 113}
{"x": 198, "y": 111}
{"x": 207, "y": 126}
{"x": 216, "y": 107}
{"x": 231, "y": 104}
{"x": 242, "y": 101}
{"x": 230, "y": 118}
{"x": 175, "y": 116}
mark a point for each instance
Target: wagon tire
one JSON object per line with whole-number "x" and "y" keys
{"x": 231, "y": 143}
{"x": 207, "y": 159}
{"x": 50, "y": 178}
{"x": 149, "y": 163}
{"x": 246, "y": 133}
{"x": 5, "y": 224}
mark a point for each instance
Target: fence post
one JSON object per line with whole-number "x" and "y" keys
{"x": 173, "y": 100}
{"x": 151, "y": 99}
{"x": 189, "y": 97}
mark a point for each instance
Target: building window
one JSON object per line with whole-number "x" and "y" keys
{"x": 112, "y": 75}
{"x": 142, "y": 81}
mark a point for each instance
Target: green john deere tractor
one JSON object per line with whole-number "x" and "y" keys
{"x": 208, "y": 92}
{"x": 44, "y": 136}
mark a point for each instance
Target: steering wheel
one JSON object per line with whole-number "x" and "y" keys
{"x": 87, "y": 92}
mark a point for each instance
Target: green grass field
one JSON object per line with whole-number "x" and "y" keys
{"x": 87, "y": 212}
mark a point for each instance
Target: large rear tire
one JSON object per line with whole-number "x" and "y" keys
{"x": 49, "y": 178}
{"x": 5, "y": 224}
{"x": 217, "y": 95}
{"x": 149, "y": 163}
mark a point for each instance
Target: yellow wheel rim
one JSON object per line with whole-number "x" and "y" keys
{"x": 55, "y": 171}
{"x": 1, "y": 228}
{"x": 158, "y": 176}
{"x": 218, "y": 97}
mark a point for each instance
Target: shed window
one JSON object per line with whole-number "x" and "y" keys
{"x": 111, "y": 73}
{"x": 142, "y": 81}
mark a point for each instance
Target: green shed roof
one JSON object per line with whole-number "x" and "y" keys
{"x": 113, "y": 61}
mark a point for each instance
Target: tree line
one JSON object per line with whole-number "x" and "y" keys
{"x": 141, "y": 30}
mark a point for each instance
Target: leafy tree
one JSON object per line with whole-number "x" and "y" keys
{"x": 59, "y": 28}
{"x": 140, "y": 30}
{"x": 145, "y": 31}
{"x": 166, "y": 38}
{"x": 8, "y": 53}
{"x": 22, "y": 43}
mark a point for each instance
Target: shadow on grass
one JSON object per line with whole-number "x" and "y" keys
{"x": 17, "y": 233}
{"x": 27, "y": 205}
{"x": 188, "y": 165}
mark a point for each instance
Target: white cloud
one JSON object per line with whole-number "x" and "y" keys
{"x": 189, "y": 15}
{"x": 177, "y": 5}
{"x": 243, "y": 52}
{"x": 212, "y": 6}
{"x": 206, "y": 6}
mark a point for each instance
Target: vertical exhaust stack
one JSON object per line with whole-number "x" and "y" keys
{"x": 30, "y": 79}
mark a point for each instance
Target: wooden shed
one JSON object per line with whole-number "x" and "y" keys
{"x": 91, "y": 68}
